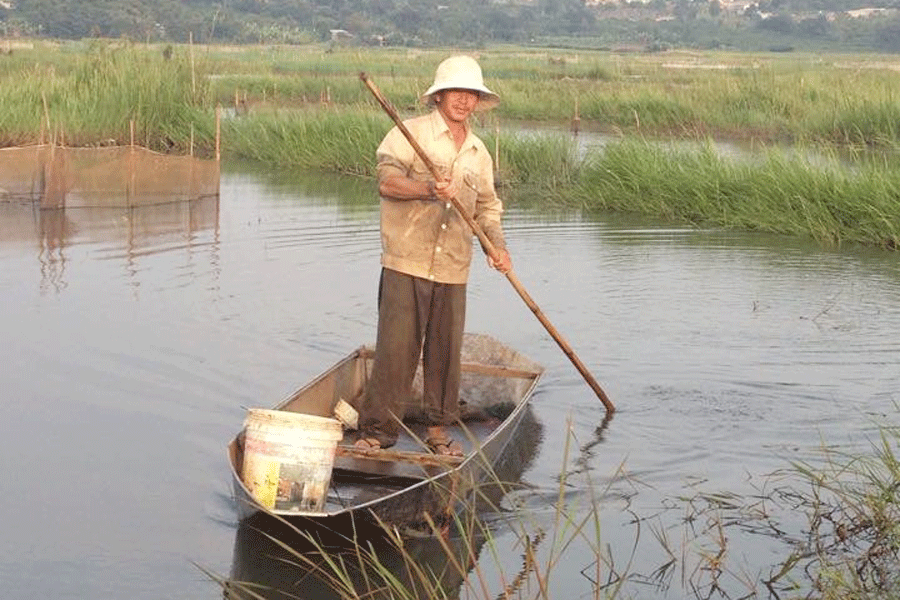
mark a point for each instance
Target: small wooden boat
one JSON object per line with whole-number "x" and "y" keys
{"x": 399, "y": 485}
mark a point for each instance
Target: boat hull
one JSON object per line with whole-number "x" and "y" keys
{"x": 409, "y": 487}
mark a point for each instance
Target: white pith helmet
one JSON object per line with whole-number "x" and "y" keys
{"x": 461, "y": 72}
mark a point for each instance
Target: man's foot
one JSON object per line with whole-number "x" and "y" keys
{"x": 440, "y": 443}
{"x": 370, "y": 445}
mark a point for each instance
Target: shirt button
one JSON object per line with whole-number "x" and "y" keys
{"x": 443, "y": 226}
{"x": 437, "y": 248}
{"x": 430, "y": 276}
{"x": 448, "y": 206}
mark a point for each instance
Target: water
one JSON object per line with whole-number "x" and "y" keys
{"x": 135, "y": 340}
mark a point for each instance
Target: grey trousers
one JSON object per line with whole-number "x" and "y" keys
{"x": 416, "y": 318}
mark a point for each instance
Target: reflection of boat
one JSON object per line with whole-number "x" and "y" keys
{"x": 273, "y": 561}
{"x": 400, "y": 485}
{"x": 267, "y": 551}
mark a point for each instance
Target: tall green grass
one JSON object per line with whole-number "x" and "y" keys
{"x": 94, "y": 89}
{"x": 306, "y": 108}
{"x": 837, "y": 99}
{"x": 315, "y": 138}
{"x": 93, "y": 95}
{"x": 781, "y": 194}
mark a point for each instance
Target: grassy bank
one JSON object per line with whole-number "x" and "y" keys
{"x": 92, "y": 88}
{"x": 839, "y": 99}
{"x": 90, "y": 94}
{"x": 781, "y": 194}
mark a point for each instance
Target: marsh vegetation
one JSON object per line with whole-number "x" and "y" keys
{"x": 304, "y": 108}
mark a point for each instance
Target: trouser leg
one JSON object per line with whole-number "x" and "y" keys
{"x": 397, "y": 349}
{"x": 441, "y": 353}
{"x": 411, "y": 309}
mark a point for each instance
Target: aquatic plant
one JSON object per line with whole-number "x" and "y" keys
{"x": 311, "y": 138}
{"x": 784, "y": 194}
{"x": 92, "y": 95}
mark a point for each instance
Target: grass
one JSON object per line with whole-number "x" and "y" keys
{"x": 92, "y": 96}
{"x": 312, "y": 138}
{"x": 304, "y": 107}
{"x": 95, "y": 88}
{"x": 781, "y": 194}
{"x": 788, "y": 194}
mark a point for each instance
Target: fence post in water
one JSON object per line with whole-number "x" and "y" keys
{"x": 576, "y": 120}
{"x": 129, "y": 186}
{"x": 497, "y": 146}
{"x": 193, "y": 72}
{"x": 218, "y": 131}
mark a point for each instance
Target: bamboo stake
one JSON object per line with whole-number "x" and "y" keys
{"x": 193, "y": 70}
{"x": 218, "y": 132}
{"x": 492, "y": 251}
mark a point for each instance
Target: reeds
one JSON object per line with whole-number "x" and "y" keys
{"x": 93, "y": 90}
{"x": 832, "y": 203}
{"x": 92, "y": 96}
{"x": 312, "y": 138}
{"x": 304, "y": 107}
{"x": 839, "y": 100}
{"x": 827, "y": 200}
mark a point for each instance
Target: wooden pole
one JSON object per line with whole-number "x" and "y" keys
{"x": 193, "y": 69}
{"x": 492, "y": 251}
{"x": 218, "y": 132}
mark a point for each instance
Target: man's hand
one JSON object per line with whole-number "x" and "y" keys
{"x": 444, "y": 190}
{"x": 503, "y": 262}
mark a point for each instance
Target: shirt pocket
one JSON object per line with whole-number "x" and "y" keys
{"x": 469, "y": 189}
{"x": 420, "y": 171}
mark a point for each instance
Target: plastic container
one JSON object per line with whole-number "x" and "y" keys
{"x": 288, "y": 458}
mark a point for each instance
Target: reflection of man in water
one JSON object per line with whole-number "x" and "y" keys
{"x": 426, "y": 253}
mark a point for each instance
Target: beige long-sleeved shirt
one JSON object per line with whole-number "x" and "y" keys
{"x": 428, "y": 238}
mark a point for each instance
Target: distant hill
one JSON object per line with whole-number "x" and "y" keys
{"x": 657, "y": 24}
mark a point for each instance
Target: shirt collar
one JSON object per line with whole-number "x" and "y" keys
{"x": 440, "y": 127}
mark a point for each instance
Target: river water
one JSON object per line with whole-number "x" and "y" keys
{"x": 134, "y": 340}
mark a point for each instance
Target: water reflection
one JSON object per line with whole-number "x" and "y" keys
{"x": 124, "y": 233}
{"x": 277, "y": 560}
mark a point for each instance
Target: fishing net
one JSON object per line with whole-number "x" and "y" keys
{"x": 114, "y": 176}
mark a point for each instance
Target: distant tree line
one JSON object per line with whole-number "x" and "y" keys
{"x": 655, "y": 24}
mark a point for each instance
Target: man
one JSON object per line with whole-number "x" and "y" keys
{"x": 426, "y": 253}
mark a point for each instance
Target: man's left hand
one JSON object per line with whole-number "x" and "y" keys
{"x": 503, "y": 262}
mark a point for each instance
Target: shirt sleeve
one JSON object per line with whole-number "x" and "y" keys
{"x": 488, "y": 207}
{"x": 394, "y": 155}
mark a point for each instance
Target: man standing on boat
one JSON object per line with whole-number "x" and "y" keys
{"x": 426, "y": 254}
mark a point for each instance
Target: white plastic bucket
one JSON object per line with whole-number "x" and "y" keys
{"x": 288, "y": 458}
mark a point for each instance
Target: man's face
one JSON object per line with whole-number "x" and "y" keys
{"x": 456, "y": 105}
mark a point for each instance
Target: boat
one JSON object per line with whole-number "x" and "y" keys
{"x": 407, "y": 485}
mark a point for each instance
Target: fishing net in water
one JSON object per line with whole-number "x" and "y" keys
{"x": 115, "y": 176}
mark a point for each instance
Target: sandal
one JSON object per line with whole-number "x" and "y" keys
{"x": 444, "y": 445}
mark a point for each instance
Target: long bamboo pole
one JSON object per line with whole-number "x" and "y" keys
{"x": 492, "y": 251}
